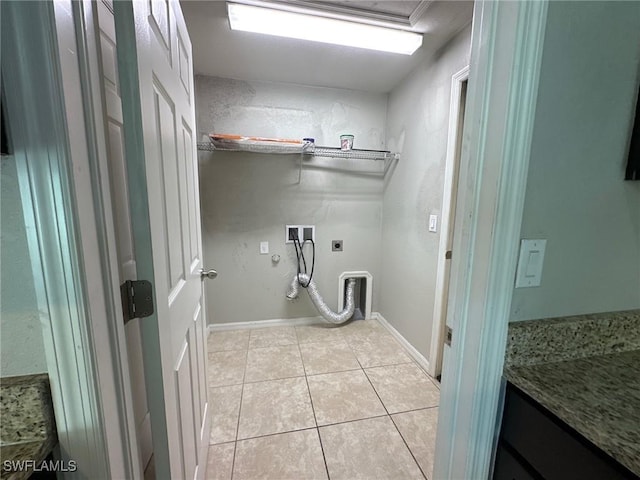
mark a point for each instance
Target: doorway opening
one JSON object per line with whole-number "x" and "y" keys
{"x": 440, "y": 336}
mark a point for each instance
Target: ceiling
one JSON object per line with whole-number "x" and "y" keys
{"x": 218, "y": 51}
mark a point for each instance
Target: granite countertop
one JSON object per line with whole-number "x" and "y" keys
{"x": 598, "y": 396}
{"x": 27, "y": 430}
{"x": 36, "y": 450}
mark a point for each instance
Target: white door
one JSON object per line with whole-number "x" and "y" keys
{"x": 159, "y": 123}
{"x": 110, "y": 87}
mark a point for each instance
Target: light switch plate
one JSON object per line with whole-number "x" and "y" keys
{"x": 264, "y": 248}
{"x": 433, "y": 223}
{"x": 530, "y": 263}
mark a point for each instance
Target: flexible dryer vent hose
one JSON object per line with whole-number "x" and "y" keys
{"x": 328, "y": 314}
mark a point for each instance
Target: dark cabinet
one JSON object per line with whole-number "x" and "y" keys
{"x": 509, "y": 466}
{"x": 535, "y": 444}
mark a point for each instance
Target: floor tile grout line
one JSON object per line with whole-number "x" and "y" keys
{"x": 324, "y": 425}
{"x": 334, "y": 371}
{"x": 376, "y": 392}
{"x": 275, "y": 345}
{"x": 239, "y": 413}
{"x": 251, "y": 382}
{"x": 304, "y": 369}
{"x": 413, "y": 410}
{"x": 390, "y": 365}
{"x": 354, "y": 420}
{"x": 233, "y": 462}
{"x": 409, "y": 449}
{"x": 355, "y": 355}
{"x": 305, "y": 428}
{"x": 209, "y": 386}
{"x": 313, "y": 410}
{"x": 276, "y": 433}
{"x": 228, "y": 350}
{"x": 341, "y": 340}
{"x": 235, "y": 444}
{"x": 403, "y": 363}
{"x": 324, "y": 457}
{"x": 315, "y": 419}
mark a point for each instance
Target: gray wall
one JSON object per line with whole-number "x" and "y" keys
{"x": 576, "y": 197}
{"x": 417, "y": 126}
{"x": 21, "y": 344}
{"x": 248, "y": 198}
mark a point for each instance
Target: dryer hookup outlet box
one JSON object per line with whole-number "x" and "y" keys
{"x": 301, "y": 232}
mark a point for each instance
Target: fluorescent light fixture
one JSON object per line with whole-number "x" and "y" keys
{"x": 249, "y": 18}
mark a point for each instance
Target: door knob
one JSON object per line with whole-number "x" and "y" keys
{"x": 210, "y": 274}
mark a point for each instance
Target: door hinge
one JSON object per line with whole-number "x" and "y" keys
{"x": 448, "y": 334}
{"x": 137, "y": 299}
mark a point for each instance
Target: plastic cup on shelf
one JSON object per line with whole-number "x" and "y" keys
{"x": 346, "y": 142}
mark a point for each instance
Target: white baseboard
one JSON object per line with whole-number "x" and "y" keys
{"x": 415, "y": 354}
{"x": 275, "y": 322}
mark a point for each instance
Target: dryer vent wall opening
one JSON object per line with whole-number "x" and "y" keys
{"x": 363, "y": 292}
{"x": 360, "y": 300}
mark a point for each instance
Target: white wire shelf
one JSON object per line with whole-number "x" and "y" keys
{"x": 274, "y": 149}
{"x": 353, "y": 153}
{"x": 305, "y": 149}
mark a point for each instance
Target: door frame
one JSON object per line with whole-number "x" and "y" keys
{"x": 506, "y": 53}
{"x": 507, "y": 41}
{"x": 452, "y": 159}
{"x": 60, "y": 154}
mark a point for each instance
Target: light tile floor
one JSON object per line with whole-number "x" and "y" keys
{"x": 321, "y": 402}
